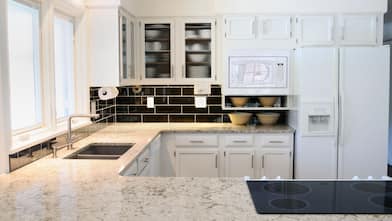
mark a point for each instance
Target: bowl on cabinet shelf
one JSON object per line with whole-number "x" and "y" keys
{"x": 268, "y": 118}
{"x": 153, "y": 33}
{"x": 239, "y": 101}
{"x": 267, "y": 101}
{"x": 197, "y": 57}
{"x": 198, "y": 71}
{"x": 205, "y": 33}
{"x": 240, "y": 118}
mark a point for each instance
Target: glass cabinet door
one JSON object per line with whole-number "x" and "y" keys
{"x": 198, "y": 47}
{"x": 157, "y": 52}
{"x": 124, "y": 70}
{"x": 132, "y": 50}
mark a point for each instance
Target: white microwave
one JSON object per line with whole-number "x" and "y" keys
{"x": 252, "y": 72}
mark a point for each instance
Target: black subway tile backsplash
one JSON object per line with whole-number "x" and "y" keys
{"x": 181, "y": 100}
{"x": 182, "y": 118}
{"x": 172, "y": 104}
{"x": 168, "y": 91}
{"x": 155, "y": 118}
{"x": 168, "y": 109}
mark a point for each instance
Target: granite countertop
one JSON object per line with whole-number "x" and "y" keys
{"x": 59, "y": 189}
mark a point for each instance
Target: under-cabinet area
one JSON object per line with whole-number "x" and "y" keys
{"x": 181, "y": 154}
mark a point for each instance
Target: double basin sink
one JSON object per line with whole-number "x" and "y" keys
{"x": 101, "y": 151}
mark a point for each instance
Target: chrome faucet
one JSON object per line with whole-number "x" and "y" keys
{"x": 69, "y": 133}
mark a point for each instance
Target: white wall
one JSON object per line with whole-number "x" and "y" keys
{"x": 303, "y": 6}
{"x": 174, "y": 7}
{"x": 5, "y": 128}
{"x": 212, "y": 7}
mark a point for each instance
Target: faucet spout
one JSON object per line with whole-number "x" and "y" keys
{"x": 69, "y": 132}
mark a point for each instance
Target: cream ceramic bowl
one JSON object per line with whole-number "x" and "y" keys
{"x": 197, "y": 57}
{"x": 152, "y": 33}
{"x": 267, "y": 101}
{"x": 239, "y": 101}
{"x": 268, "y": 118}
{"x": 240, "y": 118}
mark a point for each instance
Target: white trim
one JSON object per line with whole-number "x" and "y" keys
{"x": 5, "y": 119}
{"x": 68, "y": 8}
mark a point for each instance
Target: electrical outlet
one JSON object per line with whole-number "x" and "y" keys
{"x": 150, "y": 102}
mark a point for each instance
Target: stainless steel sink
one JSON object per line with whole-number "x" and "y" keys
{"x": 101, "y": 151}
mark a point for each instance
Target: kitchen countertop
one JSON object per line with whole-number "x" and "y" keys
{"x": 58, "y": 189}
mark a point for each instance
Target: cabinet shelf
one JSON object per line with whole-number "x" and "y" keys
{"x": 156, "y": 39}
{"x": 161, "y": 51}
{"x": 198, "y": 39}
{"x": 198, "y": 52}
{"x": 157, "y": 63}
{"x": 198, "y": 63}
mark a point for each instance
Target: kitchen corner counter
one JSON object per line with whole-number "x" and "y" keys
{"x": 59, "y": 189}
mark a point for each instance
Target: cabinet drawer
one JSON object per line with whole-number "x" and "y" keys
{"x": 276, "y": 140}
{"x": 208, "y": 140}
{"x": 239, "y": 140}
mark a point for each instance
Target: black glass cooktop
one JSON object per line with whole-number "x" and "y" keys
{"x": 321, "y": 197}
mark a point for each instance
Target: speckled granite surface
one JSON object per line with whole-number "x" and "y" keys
{"x": 58, "y": 189}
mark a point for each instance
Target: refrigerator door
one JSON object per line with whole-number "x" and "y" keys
{"x": 363, "y": 111}
{"x": 316, "y": 147}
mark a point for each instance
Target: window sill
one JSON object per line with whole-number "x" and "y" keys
{"x": 41, "y": 135}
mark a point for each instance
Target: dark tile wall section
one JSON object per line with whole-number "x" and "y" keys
{"x": 31, "y": 154}
{"x": 107, "y": 112}
{"x": 105, "y": 108}
{"x": 172, "y": 104}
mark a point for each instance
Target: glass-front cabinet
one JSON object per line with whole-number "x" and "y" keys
{"x": 127, "y": 48}
{"x": 157, "y": 50}
{"x": 197, "y": 49}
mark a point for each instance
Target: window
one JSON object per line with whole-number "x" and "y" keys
{"x": 64, "y": 66}
{"x": 24, "y": 64}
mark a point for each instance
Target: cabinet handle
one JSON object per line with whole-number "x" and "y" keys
{"x": 276, "y": 141}
{"x": 262, "y": 161}
{"x": 239, "y": 141}
{"x": 183, "y": 71}
{"x": 196, "y": 141}
{"x": 216, "y": 160}
{"x": 253, "y": 156}
{"x": 172, "y": 69}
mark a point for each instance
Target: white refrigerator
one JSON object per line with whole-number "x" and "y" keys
{"x": 343, "y": 112}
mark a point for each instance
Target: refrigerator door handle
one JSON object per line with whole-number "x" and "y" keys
{"x": 341, "y": 105}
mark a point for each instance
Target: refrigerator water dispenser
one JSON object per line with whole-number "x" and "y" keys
{"x": 318, "y": 119}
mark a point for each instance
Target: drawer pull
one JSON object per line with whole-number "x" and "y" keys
{"x": 262, "y": 162}
{"x": 196, "y": 141}
{"x": 276, "y": 141}
{"x": 239, "y": 141}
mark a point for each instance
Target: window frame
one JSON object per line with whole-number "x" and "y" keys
{"x": 60, "y": 13}
{"x": 35, "y": 5}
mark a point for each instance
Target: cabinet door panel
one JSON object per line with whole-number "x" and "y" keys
{"x": 196, "y": 163}
{"x": 239, "y": 163}
{"x": 358, "y": 30}
{"x": 315, "y": 30}
{"x": 276, "y": 163}
{"x": 157, "y": 50}
{"x": 274, "y": 27}
{"x": 197, "y": 49}
{"x": 240, "y": 27}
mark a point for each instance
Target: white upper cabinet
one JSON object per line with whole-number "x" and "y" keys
{"x": 315, "y": 30}
{"x": 358, "y": 29}
{"x": 197, "y": 49}
{"x": 111, "y": 44}
{"x": 240, "y": 27}
{"x": 157, "y": 50}
{"x": 274, "y": 27}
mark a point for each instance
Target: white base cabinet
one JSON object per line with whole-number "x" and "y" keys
{"x": 196, "y": 162}
{"x": 239, "y": 163}
{"x": 274, "y": 163}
